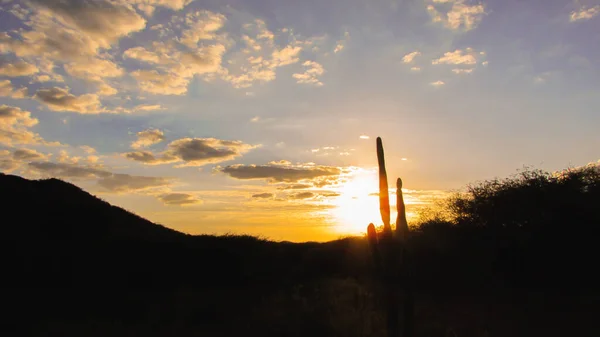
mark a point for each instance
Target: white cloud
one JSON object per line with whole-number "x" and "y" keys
{"x": 141, "y": 54}
{"x": 584, "y": 13}
{"x": 466, "y": 57}
{"x": 201, "y": 25}
{"x": 459, "y": 15}
{"x": 161, "y": 83}
{"x": 408, "y": 58}
{"x": 10, "y": 116}
{"x": 148, "y": 107}
{"x": 176, "y": 64}
{"x": 14, "y": 127}
{"x": 311, "y": 74}
{"x": 437, "y": 83}
{"x": 147, "y": 138}
{"x": 17, "y": 68}
{"x": 149, "y": 6}
{"x": 103, "y": 22}
{"x": 286, "y": 55}
{"x": 93, "y": 69}
{"x": 7, "y": 90}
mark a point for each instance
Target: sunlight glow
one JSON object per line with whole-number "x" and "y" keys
{"x": 358, "y": 204}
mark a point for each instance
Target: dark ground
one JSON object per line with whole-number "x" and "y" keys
{"x": 74, "y": 265}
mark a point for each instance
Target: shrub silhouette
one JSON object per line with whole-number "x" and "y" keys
{"x": 534, "y": 228}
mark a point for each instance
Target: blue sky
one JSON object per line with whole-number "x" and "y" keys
{"x": 247, "y": 116}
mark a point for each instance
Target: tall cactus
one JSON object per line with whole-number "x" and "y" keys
{"x": 391, "y": 257}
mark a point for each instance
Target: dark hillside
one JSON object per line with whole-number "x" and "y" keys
{"x": 513, "y": 257}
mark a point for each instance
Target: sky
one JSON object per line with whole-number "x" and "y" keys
{"x": 260, "y": 116}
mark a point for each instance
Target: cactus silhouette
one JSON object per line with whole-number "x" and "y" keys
{"x": 391, "y": 257}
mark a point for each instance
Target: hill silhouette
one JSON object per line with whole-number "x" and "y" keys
{"x": 511, "y": 257}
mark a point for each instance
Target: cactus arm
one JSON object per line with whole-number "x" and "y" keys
{"x": 401, "y": 223}
{"x": 384, "y": 197}
{"x": 374, "y": 246}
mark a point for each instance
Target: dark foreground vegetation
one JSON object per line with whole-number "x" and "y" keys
{"x": 513, "y": 257}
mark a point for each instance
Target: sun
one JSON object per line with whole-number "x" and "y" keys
{"x": 358, "y": 203}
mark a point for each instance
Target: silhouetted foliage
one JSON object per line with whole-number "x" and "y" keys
{"x": 536, "y": 228}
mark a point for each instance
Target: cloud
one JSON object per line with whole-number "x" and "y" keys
{"x": 462, "y": 71}
{"x": 263, "y": 196}
{"x": 122, "y": 183}
{"x": 437, "y": 83}
{"x": 301, "y": 196}
{"x": 198, "y": 51}
{"x": 408, "y": 58}
{"x": 194, "y": 152}
{"x": 161, "y": 83}
{"x": 141, "y": 54}
{"x": 149, "y": 6}
{"x": 311, "y": 74}
{"x": 148, "y": 138}
{"x": 340, "y": 45}
{"x": 88, "y": 149}
{"x": 464, "y": 57}
{"x": 7, "y": 90}
{"x": 17, "y": 68}
{"x": 285, "y": 56}
{"x": 112, "y": 182}
{"x": 10, "y": 116}
{"x": 294, "y": 187}
{"x": 71, "y": 30}
{"x": 93, "y": 69}
{"x": 584, "y": 13}
{"x": 148, "y": 107}
{"x": 27, "y": 155}
{"x": 103, "y": 21}
{"x": 59, "y": 99}
{"x": 415, "y": 69}
{"x": 201, "y": 61}
{"x": 201, "y": 25}
{"x": 14, "y": 127}
{"x": 364, "y": 137}
{"x": 459, "y": 15}
{"x": 279, "y": 173}
{"x": 8, "y": 165}
{"x": 149, "y": 158}
{"x": 202, "y": 151}
{"x": 179, "y": 199}
{"x": 67, "y": 170}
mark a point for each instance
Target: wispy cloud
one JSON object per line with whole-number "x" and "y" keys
{"x": 148, "y": 138}
{"x": 408, "y": 58}
{"x": 456, "y": 14}
{"x": 311, "y": 74}
{"x": 584, "y": 13}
